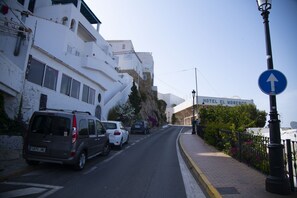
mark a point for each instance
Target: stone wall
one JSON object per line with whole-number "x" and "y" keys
{"x": 10, "y": 147}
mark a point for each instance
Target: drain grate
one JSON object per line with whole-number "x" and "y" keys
{"x": 227, "y": 190}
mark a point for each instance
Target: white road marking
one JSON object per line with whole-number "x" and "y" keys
{"x": 91, "y": 170}
{"x": 37, "y": 188}
{"x": 22, "y": 192}
{"x": 193, "y": 190}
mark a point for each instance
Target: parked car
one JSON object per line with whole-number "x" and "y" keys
{"x": 118, "y": 135}
{"x": 140, "y": 126}
{"x": 64, "y": 137}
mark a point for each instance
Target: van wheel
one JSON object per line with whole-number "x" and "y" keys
{"x": 80, "y": 164}
{"x": 106, "y": 149}
{"x": 32, "y": 162}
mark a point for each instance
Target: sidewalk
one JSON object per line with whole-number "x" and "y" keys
{"x": 220, "y": 174}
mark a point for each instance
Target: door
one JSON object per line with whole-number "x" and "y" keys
{"x": 102, "y": 137}
{"x": 93, "y": 145}
{"x": 49, "y": 136}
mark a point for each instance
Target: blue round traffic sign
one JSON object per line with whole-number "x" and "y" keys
{"x": 272, "y": 82}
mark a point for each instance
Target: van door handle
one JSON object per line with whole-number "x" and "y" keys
{"x": 47, "y": 141}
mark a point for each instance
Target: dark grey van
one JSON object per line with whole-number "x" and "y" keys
{"x": 64, "y": 137}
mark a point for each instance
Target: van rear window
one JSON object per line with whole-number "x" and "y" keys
{"x": 51, "y": 125}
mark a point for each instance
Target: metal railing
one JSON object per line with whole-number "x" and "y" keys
{"x": 253, "y": 151}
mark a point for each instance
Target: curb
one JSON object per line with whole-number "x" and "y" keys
{"x": 198, "y": 174}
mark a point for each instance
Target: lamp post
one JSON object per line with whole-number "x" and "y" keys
{"x": 193, "y": 118}
{"x": 276, "y": 182}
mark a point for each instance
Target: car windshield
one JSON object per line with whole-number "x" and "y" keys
{"x": 109, "y": 125}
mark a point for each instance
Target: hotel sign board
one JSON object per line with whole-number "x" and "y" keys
{"x": 202, "y": 100}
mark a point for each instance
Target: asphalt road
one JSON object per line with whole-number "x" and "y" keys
{"x": 146, "y": 167}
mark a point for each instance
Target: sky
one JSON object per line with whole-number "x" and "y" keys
{"x": 223, "y": 39}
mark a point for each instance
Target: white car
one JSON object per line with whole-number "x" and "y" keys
{"x": 118, "y": 135}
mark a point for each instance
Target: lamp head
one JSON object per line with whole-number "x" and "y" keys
{"x": 264, "y": 5}
{"x": 193, "y": 93}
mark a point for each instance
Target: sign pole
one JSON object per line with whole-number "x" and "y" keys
{"x": 277, "y": 181}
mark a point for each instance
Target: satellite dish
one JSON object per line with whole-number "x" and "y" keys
{"x": 293, "y": 125}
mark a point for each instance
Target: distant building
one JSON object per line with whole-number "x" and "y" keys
{"x": 184, "y": 111}
{"x": 171, "y": 101}
{"x": 140, "y": 65}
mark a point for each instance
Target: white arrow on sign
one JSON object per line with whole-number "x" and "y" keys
{"x": 272, "y": 79}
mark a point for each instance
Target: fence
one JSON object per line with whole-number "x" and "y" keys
{"x": 253, "y": 150}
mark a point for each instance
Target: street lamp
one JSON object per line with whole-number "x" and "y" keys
{"x": 193, "y": 118}
{"x": 277, "y": 181}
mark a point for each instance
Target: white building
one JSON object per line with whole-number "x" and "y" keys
{"x": 128, "y": 58}
{"x": 52, "y": 56}
{"x": 171, "y": 101}
{"x": 147, "y": 64}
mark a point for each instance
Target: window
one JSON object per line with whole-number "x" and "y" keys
{"x": 41, "y": 74}
{"x": 53, "y": 125}
{"x": 70, "y": 87}
{"x": 35, "y": 71}
{"x": 99, "y": 128}
{"x": 88, "y": 95}
{"x": 50, "y": 80}
{"x": 83, "y": 127}
{"x": 75, "y": 89}
{"x": 91, "y": 99}
{"x": 21, "y": 1}
{"x": 65, "y": 85}
{"x": 31, "y": 5}
{"x": 91, "y": 124}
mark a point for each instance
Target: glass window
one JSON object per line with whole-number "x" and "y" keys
{"x": 21, "y": 1}
{"x": 91, "y": 127}
{"x": 85, "y": 93}
{"x": 53, "y": 125}
{"x": 51, "y": 76}
{"x": 99, "y": 128}
{"x": 65, "y": 85}
{"x": 83, "y": 127}
{"x": 35, "y": 71}
{"x": 91, "y": 98}
{"x": 88, "y": 95}
{"x": 61, "y": 126}
{"x": 75, "y": 89}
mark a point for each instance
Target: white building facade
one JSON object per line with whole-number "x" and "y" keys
{"x": 52, "y": 57}
{"x": 127, "y": 57}
{"x": 171, "y": 101}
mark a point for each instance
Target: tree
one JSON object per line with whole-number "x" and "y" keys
{"x": 123, "y": 112}
{"x": 135, "y": 99}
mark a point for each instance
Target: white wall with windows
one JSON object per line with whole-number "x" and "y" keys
{"x": 62, "y": 87}
{"x": 63, "y": 61}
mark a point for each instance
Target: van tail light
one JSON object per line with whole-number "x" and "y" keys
{"x": 117, "y": 133}
{"x": 74, "y": 130}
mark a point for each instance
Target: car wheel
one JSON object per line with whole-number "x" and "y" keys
{"x": 32, "y": 162}
{"x": 80, "y": 164}
{"x": 106, "y": 149}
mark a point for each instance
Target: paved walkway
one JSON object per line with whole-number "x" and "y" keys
{"x": 220, "y": 174}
